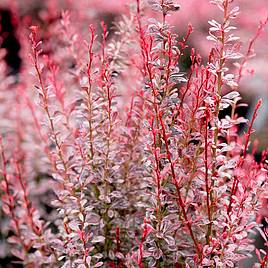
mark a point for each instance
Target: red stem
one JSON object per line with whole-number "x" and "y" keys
{"x": 206, "y": 176}
{"x": 175, "y": 182}
{"x": 242, "y": 159}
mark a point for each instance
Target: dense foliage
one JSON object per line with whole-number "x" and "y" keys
{"x": 112, "y": 156}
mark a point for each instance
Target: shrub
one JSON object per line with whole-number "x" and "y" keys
{"x": 111, "y": 156}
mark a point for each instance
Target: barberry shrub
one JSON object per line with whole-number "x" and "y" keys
{"x": 111, "y": 156}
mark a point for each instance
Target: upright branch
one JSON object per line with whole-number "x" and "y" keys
{"x": 219, "y": 33}
{"x": 44, "y": 94}
{"x": 250, "y": 49}
{"x": 9, "y": 205}
{"x": 88, "y": 89}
